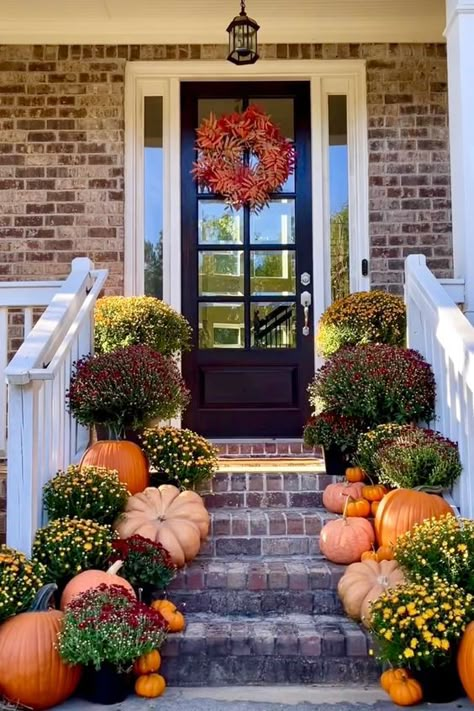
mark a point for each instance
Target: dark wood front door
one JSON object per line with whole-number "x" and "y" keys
{"x": 244, "y": 276}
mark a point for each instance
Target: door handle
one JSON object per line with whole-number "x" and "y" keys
{"x": 305, "y": 299}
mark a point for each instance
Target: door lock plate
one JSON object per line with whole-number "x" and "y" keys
{"x": 305, "y": 279}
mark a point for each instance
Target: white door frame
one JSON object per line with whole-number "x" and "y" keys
{"x": 339, "y": 76}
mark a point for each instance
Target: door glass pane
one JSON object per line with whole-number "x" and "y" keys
{"x": 221, "y": 273}
{"x": 153, "y": 196}
{"x": 272, "y": 273}
{"x": 221, "y": 326}
{"x": 218, "y": 224}
{"x": 275, "y": 224}
{"x": 282, "y": 113}
{"x": 339, "y": 196}
{"x": 273, "y": 325}
{"x": 218, "y": 107}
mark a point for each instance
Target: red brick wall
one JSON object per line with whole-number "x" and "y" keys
{"x": 61, "y": 153}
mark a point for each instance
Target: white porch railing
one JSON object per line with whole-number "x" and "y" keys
{"x": 21, "y": 298}
{"x": 442, "y": 334}
{"x": 42, "y": 436}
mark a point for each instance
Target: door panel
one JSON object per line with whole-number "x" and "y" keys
{"x": 241, "y": 282}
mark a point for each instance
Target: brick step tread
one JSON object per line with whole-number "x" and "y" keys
{"x": 251, "y": 523}
{"x": 266, "y": 481}
{"x": 258, "y": 574}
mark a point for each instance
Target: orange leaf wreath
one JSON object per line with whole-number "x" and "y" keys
{"x": 243, "y": 157}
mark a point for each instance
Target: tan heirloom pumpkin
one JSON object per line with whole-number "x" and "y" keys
{"x": 176, "y": 519}
{"x": 365, "y": 581}
{"x": 92, "y": 579}
{"x": 400, "y": 509}
{"x": 335, "y": 495}
{"x": 343, "y": 540}
{"x": 31, "y": 671}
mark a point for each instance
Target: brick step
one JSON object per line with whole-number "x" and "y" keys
{"x": 259, "y": 586}
{"x": 260, "y": 532}
{"x": 245, "y": 448}
{"x": 294, "y": 649}
{"x": 265, "y": 489}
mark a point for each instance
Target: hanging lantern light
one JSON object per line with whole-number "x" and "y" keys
{"x": 243, "y": 38}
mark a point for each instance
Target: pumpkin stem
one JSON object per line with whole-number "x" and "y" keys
{"x": 43, "y": 597}
{"x": 115, "y": 567}
{"x": 344, "y": 513}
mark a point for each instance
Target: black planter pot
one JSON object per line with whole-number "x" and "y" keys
{"x": 440, "y": 684}
{"x": 145, "y": 593}
{"x": 105, "y": 685}
{"x": 335, "y": 461}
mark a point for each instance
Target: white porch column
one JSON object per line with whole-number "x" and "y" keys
{"x": 460, "y": 38}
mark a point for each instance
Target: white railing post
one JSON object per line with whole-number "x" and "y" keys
{"x": 42, "y": 436}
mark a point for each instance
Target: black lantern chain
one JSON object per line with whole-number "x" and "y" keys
{"x": 243, "y": 47}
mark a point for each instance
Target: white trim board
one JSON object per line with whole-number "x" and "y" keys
{"x": 326, "y": 77}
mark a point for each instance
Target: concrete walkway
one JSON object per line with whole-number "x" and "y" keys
{"x": 268, "y": 698}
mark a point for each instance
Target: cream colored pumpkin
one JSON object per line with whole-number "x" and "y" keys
{"x": 176, "y": 519}
{"x": 364, "y": 582}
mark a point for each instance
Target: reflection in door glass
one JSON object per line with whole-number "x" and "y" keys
{"x": 272, "y": 273}
{"x": 221, "y": 326}
{"x": 275, "y": 224}
{"x": 153, "y": 195}
{"x": 221, "y": 273}
{"x": 282, "y": 113}
{"x": 273, "y": 325}
{"x": 339, "y": 196}
{"x": 218, "y": 224}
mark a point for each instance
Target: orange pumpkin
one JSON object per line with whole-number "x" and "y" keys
{"x": 92, "y": 579}
{"x": 150, "y": 686}
{"x": 354, "y": 474}
{"x": 147, "y": 663}
{"x": 358, "y": 507}
{"x": 174, "y": 618}
{"x": 343, "y": 540}
{"x": 374, "y": 492}
{"x": 335, "y": 495}
{"x": 385, "y": 553}
{"x": 465, "y": 660}
{"x": 391, "y": 675}
{"x": 31, "y": 671}
{"x": 125, "y": 457}
{"x": 400, "y": 509}
{"x": 374, "y": 507}
{"x": 369, "y": 555}
{"x": 176, "y": 519}
{"x": 405, "y": 691}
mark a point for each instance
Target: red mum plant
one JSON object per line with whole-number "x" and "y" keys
{"x": 376, "y": 383}
{"x": 328, "y": 429}
{"x": 223, "y": 145}
{"x": 144, "y": 562}
{"x": 107, "y": 624}
{"x": 126, "y": 388}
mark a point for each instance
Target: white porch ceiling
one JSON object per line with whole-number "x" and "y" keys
{"x": 204, "y": 21}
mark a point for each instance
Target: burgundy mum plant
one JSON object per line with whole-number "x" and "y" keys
{"x": 144, "y": 561}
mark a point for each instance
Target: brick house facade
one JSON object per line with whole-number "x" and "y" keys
{"x": 62, "y": 153}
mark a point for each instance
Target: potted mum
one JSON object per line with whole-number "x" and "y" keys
{"x": 125, "y": 389}
{"x": 20, "y": 580}
{"x": 106, "y": 629}
{"x": 338, "y": 435}
{"x": 418, "y": 626}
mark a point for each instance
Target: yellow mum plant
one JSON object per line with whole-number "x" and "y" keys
{"x": 20, "y": 580}
{"x": 361, "y": 318}
{"x": 418, "y": 625}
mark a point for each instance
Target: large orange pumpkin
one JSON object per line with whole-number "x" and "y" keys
{"x": 31, "y": 671}
{"x": 335, "y": 495}
{"x": 125, "y": 457}
{"x": 400, "y": 509}
{"x": 92, "y": 579}
{"x": 176, "y": 519}
{"x": 343, "y": 540}
{"x": 466, "y": 660}
{"x": 364, "y": 582}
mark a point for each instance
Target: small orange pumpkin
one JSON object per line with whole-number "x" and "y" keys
{"x": 373, "y": 507}
{"x": 147, "y": 663}
{"x": 374, "y": 492}
{"x": 150, "y": 686}
{"x": 175, "y": 619}
{"x": 358, "y": 507}
{"x": 125, "y": 457}
{"x": 384, "y": 553}
{"x": 391, "y": 675}
{"x": 369, "y": 555}
{"x": 405, "y": 691}
{"x": 354, "y": 474}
